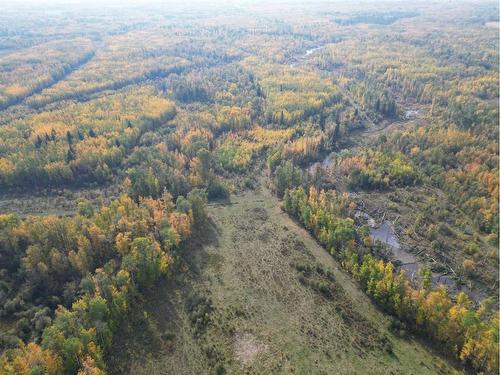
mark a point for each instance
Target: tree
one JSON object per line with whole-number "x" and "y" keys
{"x": 336, "y": 133}
{"x": 287, "y": 177}
{"x": 71, "y": 155}
{"x": 426, "y": 274}
{"x": 198, "y": 200}
{"x": 38, "y": 141}
{"x": 84, "y": 208}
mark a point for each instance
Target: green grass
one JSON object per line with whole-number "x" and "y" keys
{"x": 255, "y": 294}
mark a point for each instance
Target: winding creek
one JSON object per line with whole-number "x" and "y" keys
{"x": 308, "y": 52}
{"x": 385, "y": 232}
{"x": 312, "y": 50}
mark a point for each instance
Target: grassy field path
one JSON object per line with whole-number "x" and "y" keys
{"x": 256, "y": 294}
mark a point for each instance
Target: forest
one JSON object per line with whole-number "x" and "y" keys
{"x": 351, "y": 149}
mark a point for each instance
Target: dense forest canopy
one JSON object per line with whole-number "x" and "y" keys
{"x": 122, "y": 124}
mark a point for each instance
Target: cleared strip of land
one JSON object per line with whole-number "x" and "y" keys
{"x": 257, "y": 295}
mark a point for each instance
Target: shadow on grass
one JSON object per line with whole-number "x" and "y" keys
{"x": 154, "y": 323}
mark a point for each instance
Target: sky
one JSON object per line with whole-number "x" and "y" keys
{"x": 166, "y": 2}
{"x": 62, "y": 4}
{"x": 131, "y": 2}
{"x": 30, "y": 4}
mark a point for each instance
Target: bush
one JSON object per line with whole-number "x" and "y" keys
{"x": 217, "y": 190}
{"x": 8, "y": 341}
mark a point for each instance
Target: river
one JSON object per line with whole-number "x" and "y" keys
{"x": 308, "y": 52}
{"x": 312, "y": 50}
{"x": 385, "y": 231}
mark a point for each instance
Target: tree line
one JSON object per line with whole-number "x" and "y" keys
{"x": 468, "y": 333}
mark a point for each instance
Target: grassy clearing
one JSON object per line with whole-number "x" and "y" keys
{"x": 257, "y": 295}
